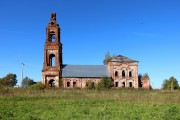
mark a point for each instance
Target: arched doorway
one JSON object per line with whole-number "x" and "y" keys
{"x": 130, "y": 84}
{"x": 123, "y": 84}
{"x": 52, "y": 83}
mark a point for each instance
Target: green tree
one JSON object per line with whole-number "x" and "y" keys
{"x": 146, "y": 76}
{"x": 27, "y": 82}
{"x": 170, "y": 84}
{"x": 4, "y": 82}
{"x": 107, "y": 58}
{"x": 9, "y": 80}
{"x": 105, "y": 83}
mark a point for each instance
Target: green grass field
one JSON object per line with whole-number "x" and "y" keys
{"x": 58, "y": 104}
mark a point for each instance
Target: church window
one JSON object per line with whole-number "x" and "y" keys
{"x": 74, "y": 84}
{"x": 116, "y": 73}
{"x": 130, "y": 73}
{"x": 123, "y": 73}
{"x": 68, "y": 84}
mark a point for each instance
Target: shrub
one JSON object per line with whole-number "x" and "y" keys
{"x": 27, "y": 82}
{"x": 105, "y": 83}
{"x": 60, "y": 83}
{"x": 90, "y": 85}
{"x": 38, "y": 86}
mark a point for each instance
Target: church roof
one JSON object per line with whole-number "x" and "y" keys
{"x": 122, "y": 59}
{"x": 94, "y": 71}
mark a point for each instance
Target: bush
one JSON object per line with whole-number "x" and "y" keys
{"x": 105, "y": 83}
{"x": 90, "y": 85}
{"x": 38, "y": 86}
{"x": 27, "y": 82}
{"x": 60, "y": 83}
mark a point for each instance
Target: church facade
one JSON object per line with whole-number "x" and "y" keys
{"x": 122, "y": 70}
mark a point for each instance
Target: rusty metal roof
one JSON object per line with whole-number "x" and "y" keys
{"x": 123, "y": 59}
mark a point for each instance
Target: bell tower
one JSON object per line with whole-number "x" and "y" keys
{"x": 51, "y": 73}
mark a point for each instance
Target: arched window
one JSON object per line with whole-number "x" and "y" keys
{"x": 52, "y": 37}
{"x": 130, "y": 73}
{"x": 74, "y": 84}
{"x": 68, "y": 84}
{"x": 123, "y": 73}
{"x": 116, "y": 73}
{"x": 52, "y": 60}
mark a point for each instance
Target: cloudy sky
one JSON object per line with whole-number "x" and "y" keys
{"x": 144, "y": 30}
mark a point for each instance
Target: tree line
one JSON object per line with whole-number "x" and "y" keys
{"x": 10, "y": 80}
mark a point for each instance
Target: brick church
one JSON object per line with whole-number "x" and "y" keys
{"x": 122, "y": 70}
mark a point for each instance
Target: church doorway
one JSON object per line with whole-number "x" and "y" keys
{"x": 123, "y": 84}
{"x": 130, "y": 84}
{"x": 116, "y": 84}
{"x": 52, "y": 83}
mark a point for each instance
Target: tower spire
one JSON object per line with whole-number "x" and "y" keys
{"x": 53, "y": 18}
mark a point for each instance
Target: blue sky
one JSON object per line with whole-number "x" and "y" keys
{"x": 144, "y": 30}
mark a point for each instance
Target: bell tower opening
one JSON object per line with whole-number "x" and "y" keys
{"x": 52, "y": 60}
{"x": 52, "y": 54}
{"x": 52, "y": 37}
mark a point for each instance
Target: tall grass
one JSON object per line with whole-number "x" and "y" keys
{"x": 113, "y": 94}
{"x": 67, "y": 104}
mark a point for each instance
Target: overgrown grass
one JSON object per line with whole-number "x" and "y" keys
{"x": 77, "y": 104}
